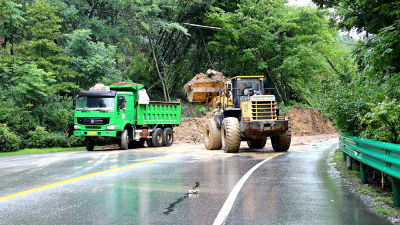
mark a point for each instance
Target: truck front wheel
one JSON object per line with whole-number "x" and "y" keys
{"x": 212, "y": 135}
{"x": 124, "y": 139}
{"x": 230, "y": 135}
{"x": 257, "y": 143}
{"x": 157, "y": 139}
{"x": 167, "y": 136}
{"x": 281, "y": 142}
{"x": 89, "y": 144}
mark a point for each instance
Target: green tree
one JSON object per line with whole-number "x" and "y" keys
{"x": 11, "y": 20}
{"x": 43, "y": 48}
{"x": 288, "y": 45}
{"x": 11, "y": 23}
{"x": 94, "y": 60}
{"x": 30, "y": 84}
{"x": 378, "y": 72}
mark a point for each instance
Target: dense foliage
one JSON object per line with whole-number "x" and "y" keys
{"x": 51, "y": 49}
{"x": 365, "y": 101}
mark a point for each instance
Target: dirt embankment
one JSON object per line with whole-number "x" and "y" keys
{"x": 305, "y": 122}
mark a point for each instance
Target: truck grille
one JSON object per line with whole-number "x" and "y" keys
{"x": 93, "y": 120}
{"x": 263, "y": 110}
{"x": 92, "y": 127}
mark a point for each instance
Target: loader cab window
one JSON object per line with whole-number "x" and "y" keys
{"x": 246, "y": 84}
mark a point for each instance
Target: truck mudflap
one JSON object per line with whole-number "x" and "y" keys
{"x": 259, "y": 129}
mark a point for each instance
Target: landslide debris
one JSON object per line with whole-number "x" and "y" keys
{"x": 211, "y": 76}
{"x": 308, "y": 121}
{"x": 305, "y": 122}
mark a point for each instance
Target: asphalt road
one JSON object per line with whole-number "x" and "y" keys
{"x": 152, "y": 185}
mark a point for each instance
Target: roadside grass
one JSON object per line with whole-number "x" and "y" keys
{"x": 40, "y": 150}
{"x": 379, "y": 199}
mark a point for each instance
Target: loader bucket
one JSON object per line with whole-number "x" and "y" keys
{"x": 204, "y": 92}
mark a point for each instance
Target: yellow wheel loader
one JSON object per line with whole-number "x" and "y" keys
{"x": 246, "y": 114}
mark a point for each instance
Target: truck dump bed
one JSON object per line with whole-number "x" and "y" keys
{"x": 157, "y": 112}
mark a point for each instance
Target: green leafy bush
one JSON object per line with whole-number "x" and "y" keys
{"x": 349, "y": 99}
{"x": 37, "y": 138}
{"x": 56, "y": 140}
{"x": 9, "y": 142}
{"x": 383, "y": 121}
{"x": 77, "y": 141}
{"x": 19, "y": 119}
{"x": 41, "y": 138}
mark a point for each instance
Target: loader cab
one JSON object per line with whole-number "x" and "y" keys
{"x": 243, "y": 87}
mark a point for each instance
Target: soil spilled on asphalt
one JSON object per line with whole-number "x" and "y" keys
{"x": 304, "y": 121}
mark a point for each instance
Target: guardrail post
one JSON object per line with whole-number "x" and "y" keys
{"x": 395, "y": 190}
{"x": 348, "y": 163}
{"x": 363, "y": 172}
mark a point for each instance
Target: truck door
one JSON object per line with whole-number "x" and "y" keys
{"x": 128, "y": 111}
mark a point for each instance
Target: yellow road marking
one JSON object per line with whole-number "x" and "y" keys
{"x": 82, "y": 177}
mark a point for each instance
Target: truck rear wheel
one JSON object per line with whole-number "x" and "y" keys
{"x": 230, "y": 135}
{"x": 89, "y": 144}
{"x": 157, "y": 138}
{"x": 149, "y": 142}
{"x": 124, "y": 139}
{"x": 212, "y": 135}
{"x": 281, "y": 142}
{"x": 257, "y": 143}
{"x": 167, "y": 136}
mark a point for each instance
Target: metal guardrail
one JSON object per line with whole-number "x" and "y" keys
{"x": 382, "y": 156}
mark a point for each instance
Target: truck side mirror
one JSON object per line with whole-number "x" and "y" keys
{"x": 73, "y": 103}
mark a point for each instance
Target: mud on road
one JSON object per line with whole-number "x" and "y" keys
{"x": 304, "y": 122}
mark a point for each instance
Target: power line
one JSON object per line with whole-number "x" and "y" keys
{"x": 262, "y": 34}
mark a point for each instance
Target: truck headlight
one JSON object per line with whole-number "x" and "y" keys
{"x": 110, "y": 127}
{"x": 76, "y": 127}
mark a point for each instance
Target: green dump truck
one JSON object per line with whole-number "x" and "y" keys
{"x": 123, "y": 114}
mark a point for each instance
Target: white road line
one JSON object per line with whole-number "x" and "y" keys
{"x": 226, "y": 208}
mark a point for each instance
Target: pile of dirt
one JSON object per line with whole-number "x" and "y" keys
{"x": 191, "y": 129}
{"x": 304, "y": 121}
{"x": 307, "y": 121}
{"x": 211, "y": 76}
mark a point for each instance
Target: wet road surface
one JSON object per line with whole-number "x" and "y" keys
{"x": 151, "y": 186}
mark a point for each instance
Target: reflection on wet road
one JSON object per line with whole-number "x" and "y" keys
{"x": 159, "y": 185}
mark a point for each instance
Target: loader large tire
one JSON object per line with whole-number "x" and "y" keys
{"x": 258, "y": 143}
{"x": 230, "y": 135}
{"x": 281, "y": 142}
{"x": 212, "y": 135}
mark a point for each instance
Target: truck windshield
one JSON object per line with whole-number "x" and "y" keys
{"x": 89, "y": 103}
{"x": 247, "y": 83}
